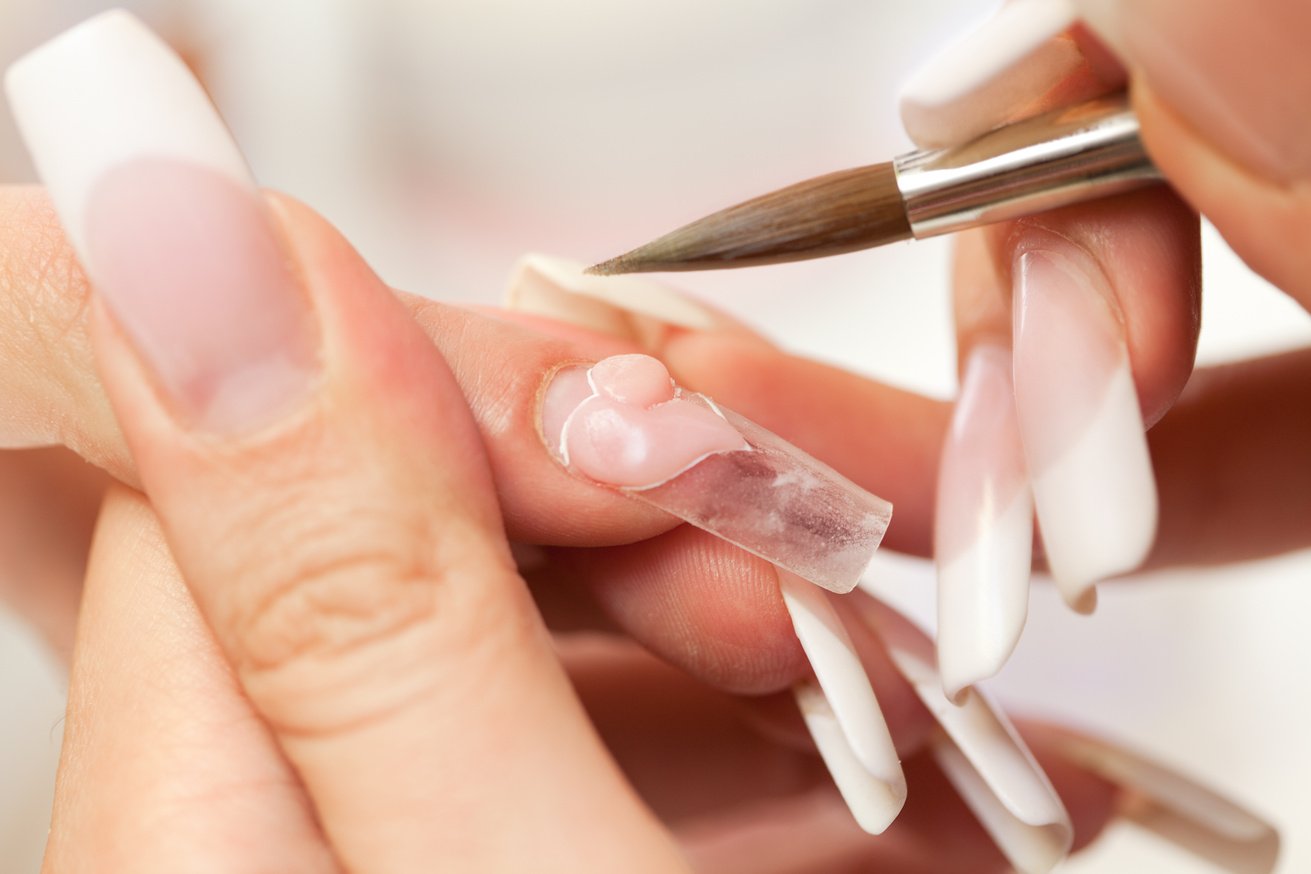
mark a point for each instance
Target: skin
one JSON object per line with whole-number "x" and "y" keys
{"x": 303, "y": 780}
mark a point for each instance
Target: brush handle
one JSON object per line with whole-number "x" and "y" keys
{"x": 1068, "y": 156}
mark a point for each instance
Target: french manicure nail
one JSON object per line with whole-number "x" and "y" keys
{"x": 623, "y": 423}
{"x": 159, "y": 205}
{"x": 1178, "y": 808}
{"x": 1080, "y": 422}
{"x": 842, "y": 677}
{"x": 983, "y": 530}
{"x": 629, "y": 307}
{"x": 982, "y": 80}
{"x": 981, "y": 753}
{"x": 842, "y": 712}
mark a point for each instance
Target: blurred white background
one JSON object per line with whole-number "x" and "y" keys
{"x": 448, "y": 137}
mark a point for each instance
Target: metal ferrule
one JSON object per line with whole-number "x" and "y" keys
{"x": 1074, "y": 154}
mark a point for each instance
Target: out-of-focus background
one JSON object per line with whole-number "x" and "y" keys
{"x": 447, "y": 137}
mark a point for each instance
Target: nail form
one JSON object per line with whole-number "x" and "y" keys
{"x": 983, "y": 529}
{"x": 767, "y": 497}
{"x": 981, "y": 753}
{"x": 979, "y": 82}
{"x": 1177, "y": 808}
{"x": 841, "y": 711}
{"x": 1080, "y": 423}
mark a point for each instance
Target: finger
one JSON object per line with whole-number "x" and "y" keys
{"x": 1232, "y": 463}
{"x": 812, "y": 833}
{"x": 52, "y": 395}
{"x": 688, "y": 749}
{"x": 1101, "y": 304}
{"x": 715, "y": 611}
{"x": 1249, "y": 472}
{"x": 1156, "y": 798}
{"x": 48, "y": 503}
{"x": 375, "y": 619}
{"x": 1221, "y": 91}
{"x": 165, "y": 767}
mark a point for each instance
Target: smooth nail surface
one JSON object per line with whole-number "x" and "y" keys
{"x": 157, "y": 201}
{"x": 623, "y": 423}
{"x": 983, "y": 530}
{"x": 842, "y": 712}
{"x": 1080, "y": 422}
{"x": 986, "y": 78}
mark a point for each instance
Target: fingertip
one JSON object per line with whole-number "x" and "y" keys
{"x": 699, "y": 603}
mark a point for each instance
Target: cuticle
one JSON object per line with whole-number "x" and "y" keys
{"x": 1022, "y": 243}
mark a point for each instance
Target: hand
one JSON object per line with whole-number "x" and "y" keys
{"x": 378, "y": 368}
{"x": 393, "y": 699}
{"x": 1098, "y": 308}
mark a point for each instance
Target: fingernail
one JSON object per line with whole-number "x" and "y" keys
{"x": 626, "y": 307}
{"x": 983, "y": 530}
{"x": 845, "y": 686}
{"x": 1239, "y": 75}
{"x": 1178, "y": 808}
{"x": 623, "y": 423}
{"x": 982, "y": 81}
{"x": 157, "y": 201}
{"x": 860, "y": 754}
{"x": 1079, "y": 420}
{"x": 981, "y": 753}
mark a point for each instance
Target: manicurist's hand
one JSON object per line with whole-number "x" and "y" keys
{"x": 1077, "y": 329}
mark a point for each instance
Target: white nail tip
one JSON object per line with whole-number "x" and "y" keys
{"x": 983, "y": 599}
{"x": 1097, "y": 502}
{"x": 842, "y": 677}
{"x": 537, "y": 281}
{"x": 973, "y": 85}
{"x": 1030, "y": 849}
{"x": 106, "y": 92}
{"x": 985, "y": 759}
{"x": 1179, "y": 809}
{"x": 874, "y": 803}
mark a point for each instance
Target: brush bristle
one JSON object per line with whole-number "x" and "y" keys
{"x": 829, "y": 215}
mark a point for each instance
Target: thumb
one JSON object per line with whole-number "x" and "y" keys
{"x": 323, "y": 486}
{"x": 1222, "y": 89}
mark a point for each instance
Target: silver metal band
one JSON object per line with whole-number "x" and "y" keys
{"x": 1073, "y": 154}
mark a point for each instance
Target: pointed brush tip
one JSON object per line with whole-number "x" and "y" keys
{"x": 613, "y": 267}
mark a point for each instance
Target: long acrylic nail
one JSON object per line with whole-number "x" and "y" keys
{"x": 1176, "y": 807}
{"x": 1213, "y": 64}
{"x": 623, "y": 423}
{"x": 842, "y": 712}
{"x": 983, "y": 530}
{"x": 981, "y": 81}
{"x": 1080, "y": 420}
{"x": 980, "y": 752}
{"x": 157, "y": 201}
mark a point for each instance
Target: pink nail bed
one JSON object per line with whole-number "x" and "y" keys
{"x": 624, "y": 423}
